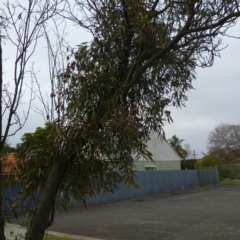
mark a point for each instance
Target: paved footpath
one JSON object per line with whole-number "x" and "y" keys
{"x": 13, "y": 230}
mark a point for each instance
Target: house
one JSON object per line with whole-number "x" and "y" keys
{"x": 163, "y": 154}
{"x": 8, "y": 163}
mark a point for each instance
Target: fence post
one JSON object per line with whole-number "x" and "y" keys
{"x": 217, "y": 175}
{"x": 200, "y": 174}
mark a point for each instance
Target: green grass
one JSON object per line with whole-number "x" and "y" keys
{"x": 226, "y": 181}
{"x": 59, "y": 238}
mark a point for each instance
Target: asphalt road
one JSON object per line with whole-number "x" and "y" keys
{"x": 194, "y": 214}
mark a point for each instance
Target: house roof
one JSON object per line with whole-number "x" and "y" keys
{"x": 160, "y": 149}
{"x": 8, "y": 163}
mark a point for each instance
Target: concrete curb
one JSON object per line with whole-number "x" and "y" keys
{"x": 21, "y": 231}
{"x": 57, "y": 234}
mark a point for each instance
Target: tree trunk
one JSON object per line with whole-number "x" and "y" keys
{"x": 40, "y": 219}
{"x": 1, "y": 145}
{"x": 2, "y": 237}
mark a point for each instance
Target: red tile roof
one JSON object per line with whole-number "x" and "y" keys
{"x": 8, "y": 163}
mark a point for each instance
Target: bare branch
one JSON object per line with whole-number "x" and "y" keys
{"x": 28, "y": 26}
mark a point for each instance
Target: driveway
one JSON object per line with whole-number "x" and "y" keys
{"x": 194, "y": 214}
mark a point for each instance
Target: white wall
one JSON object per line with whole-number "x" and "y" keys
{"x": 161, "y": 150}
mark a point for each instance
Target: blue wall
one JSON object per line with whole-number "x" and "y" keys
{"x": 149, "y": 182}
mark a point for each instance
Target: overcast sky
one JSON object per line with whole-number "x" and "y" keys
{"x": 215, "y": 100}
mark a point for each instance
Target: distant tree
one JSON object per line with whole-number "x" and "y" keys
{"x": 7, "y": 149}
{"x": 188, "y": 164}
{"x": 224, "y": 142}
{"x": 194, "y": 154}
{"x": 187, "y": 147}
{"x": 207, "y": 161}
{"x": 177, "y": 145}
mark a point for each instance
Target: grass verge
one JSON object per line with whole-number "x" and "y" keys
{"x": 58, "y": 238}
{"x": 227, "y": 181}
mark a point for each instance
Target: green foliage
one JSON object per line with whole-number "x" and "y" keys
{"x": 35, "y": 155}
{"x": 115, "y": 90}
{"x": 207, "y": 161}
{"x": 88, "y": 173}
{"x": 223, "y": 172}
{"x": 228, "y": 181}
{"x": 59, "y": 238}
{"x": 110, "y": 100}
{"x": 230, "y": 171}
{"x": 188, "y": 164}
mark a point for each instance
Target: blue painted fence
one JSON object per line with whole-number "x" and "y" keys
{"x": 149, "y": 182}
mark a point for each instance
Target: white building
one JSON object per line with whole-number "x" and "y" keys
{"x": 163, "y": 154}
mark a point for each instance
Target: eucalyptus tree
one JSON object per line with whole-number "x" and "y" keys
{"x": 116, "y": 88}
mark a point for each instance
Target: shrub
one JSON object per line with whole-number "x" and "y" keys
{"x": 188, "y": 164}
{"x": 223, "y": 172}
{"x": 207, "y": 161}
